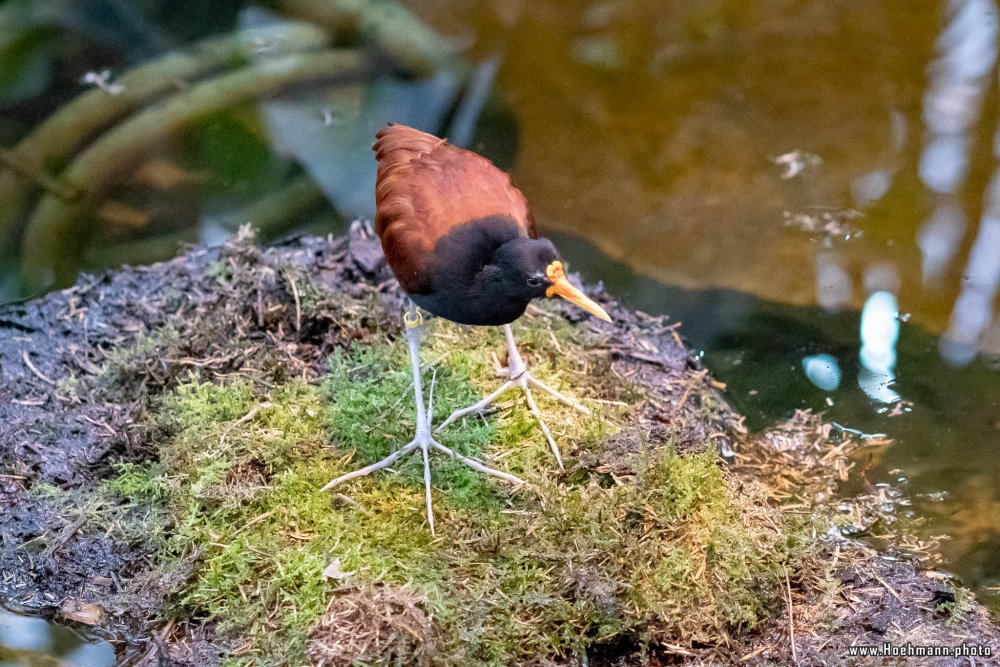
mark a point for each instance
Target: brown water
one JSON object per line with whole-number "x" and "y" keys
{"x": 809, "y": 185}
{"x": 651, "y": 128}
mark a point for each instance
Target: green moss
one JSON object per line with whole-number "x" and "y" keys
{"x": 958, "y": 608}
{"x": 676, "y": 552}
{"x": 138, "y": 482}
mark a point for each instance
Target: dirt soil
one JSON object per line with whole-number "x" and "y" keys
{"x": 69, "y": 410}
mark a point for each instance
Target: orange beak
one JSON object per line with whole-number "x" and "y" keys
{"x": 562, "y": 287}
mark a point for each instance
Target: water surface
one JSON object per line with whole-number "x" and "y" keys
{"x": 34, "y": 642}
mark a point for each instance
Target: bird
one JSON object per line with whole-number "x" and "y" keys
{"x": 462, "y": 243}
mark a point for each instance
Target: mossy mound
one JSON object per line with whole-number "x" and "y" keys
{"x": 170, "y": 428}
{"x": 673, "y": 550}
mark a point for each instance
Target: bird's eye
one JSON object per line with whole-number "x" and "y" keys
{"x": 534, "y": 282}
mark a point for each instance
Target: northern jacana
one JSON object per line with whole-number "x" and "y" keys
{"x": 461, "y": 241}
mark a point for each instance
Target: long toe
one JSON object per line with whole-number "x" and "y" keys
{"x": 477, "y": 465}
{"x": 367, "y": 470}
{"x": 562, "y": 398}
{"x": 475, "y": 407}
{"x": 545, "y": 427}
{"x": 424, "y": 443}
{"x": 525, "y": 380}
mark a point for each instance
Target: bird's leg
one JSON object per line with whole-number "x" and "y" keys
{"x": 516, "y": 368}
{"x": 423, "y": 438}
{"x": 517, "y": 375}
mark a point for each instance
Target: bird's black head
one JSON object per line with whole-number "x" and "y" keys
{"x": 523, "y": 263}
{"x": 486, "y": 273}
{"x": 531, "y": 269}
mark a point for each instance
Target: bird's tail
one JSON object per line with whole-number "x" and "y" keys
{"x": 399, "y": 143}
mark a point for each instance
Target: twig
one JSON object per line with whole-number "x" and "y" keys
{"x": 242, "y": 420}
{"x": 674, "y": 648}
{"x": 351, "y": 501}
{"x": 64, "y": 536}
{"x": 605, "y": 401}
{"x": 684, "y": 398}
{"x": 753, "y": 654}
{"x": 104, "y": 425}
{"x": 791, "y": 620}
{"x": 34, "y": 369}
{"x": 256, "y": 519}
{"x": 298, "y": 304}
{"x": 854, "y": 431}
{"x": 887, "y": 586}
{"x": 156, "y": 640}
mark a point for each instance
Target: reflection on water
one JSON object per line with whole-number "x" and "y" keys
{"x": 33, "y": 642}
{"x": 879, "y": 333}
{"x": 822, "y": 370}
{"x": 958, "y": 79}
{"x": 973, "y": 310}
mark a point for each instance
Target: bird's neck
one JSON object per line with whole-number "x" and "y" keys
{"x": 478, "y": 302}
{"x": 469, "y": 285}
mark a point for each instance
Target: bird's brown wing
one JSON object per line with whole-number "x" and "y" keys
{"x": 425, "y": 188}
